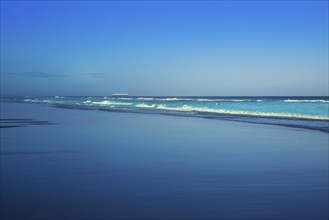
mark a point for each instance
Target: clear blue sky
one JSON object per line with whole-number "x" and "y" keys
{"x": 164, "y": 48}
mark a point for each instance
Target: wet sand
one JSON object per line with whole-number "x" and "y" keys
{"x": 78, "y": 164}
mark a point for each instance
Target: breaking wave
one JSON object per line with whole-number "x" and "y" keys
{"x": 311, "y": 112}
{"x": 143, "y": 105}
{"x": 147, "y": 99}
{"x": 187, "y": 108}
{"x": 174, "y": 99}
{"x": 224, "y": 100}
{"x": 311, "y": 100}
{"x": 125, "y": 98}
{"x": 106, "y": 103}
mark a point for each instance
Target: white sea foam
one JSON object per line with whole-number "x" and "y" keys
{"x": 305, "y": 100}
{"x": 142, "y": 98}
{"x": 125, "y": 98}
{"x": 173, "y": 99}
{"x": 164, "y": 107}
{"x": 109, "y": 103}
{"x": 28, "y": 100}
{"x": 239, "y": 112}
{"x": 143, "y": 105}
{"x": 39, "y": 100}
{"x": 224, "y": 100}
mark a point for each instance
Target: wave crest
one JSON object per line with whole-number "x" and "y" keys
{"x": 147, "y": 99}
{"x": 143, "y": 105}
{"x": 188, "y": 108}
{"x": 106, "y": 103}
{"x": 305, "y": 100}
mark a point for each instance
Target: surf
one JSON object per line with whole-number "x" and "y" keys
{"x": 306, "y": 111}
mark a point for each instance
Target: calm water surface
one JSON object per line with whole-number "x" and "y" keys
{"x": 107, "y": 165}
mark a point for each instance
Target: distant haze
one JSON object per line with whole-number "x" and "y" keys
{"x": 215, "y": 48}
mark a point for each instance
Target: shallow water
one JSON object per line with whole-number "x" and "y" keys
{"x": 101, "y": 165}
{"x": 304, "y": 112}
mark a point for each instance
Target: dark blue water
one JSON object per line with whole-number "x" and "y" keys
{"x": 97, "y": 165}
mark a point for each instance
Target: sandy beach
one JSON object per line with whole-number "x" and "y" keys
{"x": 105, "y": 165}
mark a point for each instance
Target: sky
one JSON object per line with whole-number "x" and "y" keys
{"x": 169, "y": 48}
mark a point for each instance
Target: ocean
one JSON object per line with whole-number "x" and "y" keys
{"x": 303, "y": 112}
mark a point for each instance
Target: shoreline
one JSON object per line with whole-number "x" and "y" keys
{"x": 243, "y": 119}
{"x": 291, "y": 111}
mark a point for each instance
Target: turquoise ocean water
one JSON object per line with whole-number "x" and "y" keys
{"x": 304, "y": 112}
